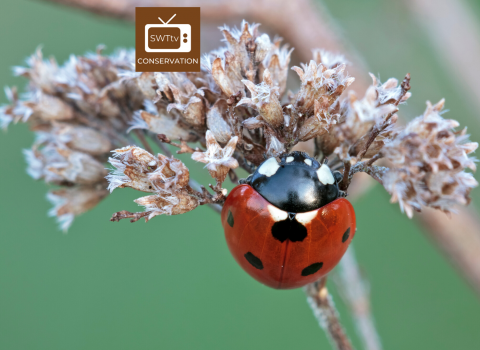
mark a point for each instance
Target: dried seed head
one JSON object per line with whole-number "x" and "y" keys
{"x": 226, "y": 72}
{"x": 218, "y": 160}
{"x": 138, "y": 169}
{"x": 58, "y": 164}
{"x": 429, "y": 159}
{"x": 169, "y": 203}
{"x": 265, "y": 100}
{"x": 276, "y": 61}
{"x": 320, "y": 123}
{"x": 81, "y": 109}
{"x": 133, "y": 165}
{"x": 318, "y": 81}
{"x": 170, "y": 173}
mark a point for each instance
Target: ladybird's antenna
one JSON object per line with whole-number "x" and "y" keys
{"x": 168, "y": 20}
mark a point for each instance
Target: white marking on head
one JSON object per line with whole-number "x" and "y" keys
{"x": 277, "y": 214}
{"x": 308, "y": 162}
{"x": 325, "y": 175}
{"x": 305, "y": 218}
{"x": 269, "y": 167}
{"x": 289, "y": 159}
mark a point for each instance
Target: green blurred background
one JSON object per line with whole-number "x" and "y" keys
{"x": 171, "y": 283}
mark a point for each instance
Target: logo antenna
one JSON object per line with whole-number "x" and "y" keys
{"x": 168, "y": 20}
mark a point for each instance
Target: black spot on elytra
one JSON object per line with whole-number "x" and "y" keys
{"x": 346, "y": 235}
{"x": 310, "y": 270}
{"x": 230, "y": 218}
{"x": 289, "y": 229}
{"x": 254, "y": 261}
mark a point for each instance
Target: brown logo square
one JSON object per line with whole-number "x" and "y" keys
{"x": 167, "y": 39}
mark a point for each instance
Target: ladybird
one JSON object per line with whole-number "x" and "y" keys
{"x": 288, "y": 224}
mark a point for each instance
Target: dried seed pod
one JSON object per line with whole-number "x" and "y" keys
{"x": 216, "y": 122}
{"x": 169, "y": 203}
{"x": 318, "y": 81}
{"x": 227, "y": 75}
{"x": 133, "y": 166}
{"x": 277, "y": 61}
{"x": 147, "y": 84}
{"x": 219, "y": 160}
{"x": 163, "y": 123}
{"x": 264, "y": 98}
{"x": 170, "y": 173}
{"x": 193, "y": 111}
{"x": 319, "y": 124}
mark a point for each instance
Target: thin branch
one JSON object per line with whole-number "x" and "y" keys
{"x": 197, "y": 187}
{"x": 324, "y": 310}
{"x": 374, "y": 171}
{"x": 355, "y": 291}
{"x": 183, "y": 145}
{"x": 343, "y": 185}
{"x": 124, "y": 214}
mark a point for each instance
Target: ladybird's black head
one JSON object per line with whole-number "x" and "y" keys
{"x": 296, "y": 184}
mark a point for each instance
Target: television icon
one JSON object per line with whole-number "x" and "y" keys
{"x": 168, "y": 37}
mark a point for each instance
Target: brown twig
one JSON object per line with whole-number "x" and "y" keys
{"x": 124, "y": 214}
{"x": 343, "y": 185}
{"x": 355, "y": 292}
{"x": 376, "y": 172}
{"x": 183, "y": 145}
{"x": 206, "y": 198}
{"x": 322, "y": 306}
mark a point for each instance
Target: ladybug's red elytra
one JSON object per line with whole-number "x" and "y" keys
{"x": 288, "y": 224}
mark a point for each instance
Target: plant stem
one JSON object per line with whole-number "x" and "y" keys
{"x": 324, "y": 310}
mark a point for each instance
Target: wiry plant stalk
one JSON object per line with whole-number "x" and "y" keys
{"x": 321, "y": 303}
{"x": 354, "y": 290}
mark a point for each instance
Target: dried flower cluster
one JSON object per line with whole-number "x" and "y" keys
{"x": 238, "y": 111}
{"x": 428, "y": 160}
